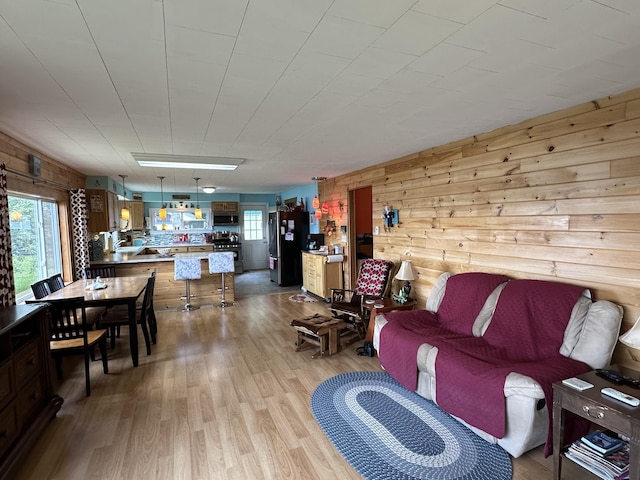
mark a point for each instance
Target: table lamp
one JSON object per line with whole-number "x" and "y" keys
{"x": 406, "y": 274}
{"x": 631, "y": 338}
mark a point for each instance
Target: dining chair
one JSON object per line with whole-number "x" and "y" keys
{"x": 40, "y": 289}
{"x": 55, "y": 282}
{"x": 70, "y": 335}
{"x": 118, "y": 316}
{"x": 105, "y": 271}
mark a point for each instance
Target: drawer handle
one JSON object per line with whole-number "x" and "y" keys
{"x": 599, "y": 414}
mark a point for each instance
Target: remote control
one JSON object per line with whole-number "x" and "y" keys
{"x": 610, "y": 375}
{"x": 618, "y": 378}
{"x": 623, "y": 397}
{"x": 577, "y": 383}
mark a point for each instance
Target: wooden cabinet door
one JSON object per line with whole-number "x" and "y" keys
{"x": 97, "y": 211}
{"x": 114, "y": 211}
{"x": 136, "y": 213}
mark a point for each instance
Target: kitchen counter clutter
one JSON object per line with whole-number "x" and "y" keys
{"x": 167, "y": 293}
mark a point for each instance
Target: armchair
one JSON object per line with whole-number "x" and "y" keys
{"x": 372, "y": 282}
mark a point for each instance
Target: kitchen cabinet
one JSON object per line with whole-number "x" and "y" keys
{"x": 136, "y": 215}
{"x": 224, "y": 207}
{"x": 27, "y": 402}
{"x": 103, "y": 209}
{"x": 320, "y": 276}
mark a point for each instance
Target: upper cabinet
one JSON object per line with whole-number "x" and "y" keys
{"x": 224, "y": 207}
{"x": 103, "y": 211}
{"x": 136, "y": 215}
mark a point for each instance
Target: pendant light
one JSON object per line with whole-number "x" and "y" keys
{"x": 162, "y": 214}
{"x": 316, "y": 202}
{"x": 124, "y": 212}
{"x": 198, "y": 211}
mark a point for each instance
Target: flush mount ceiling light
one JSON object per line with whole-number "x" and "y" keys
{"x": 208, "y": 189}
{"x": 186, "y": 161}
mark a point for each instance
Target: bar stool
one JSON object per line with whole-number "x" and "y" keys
{"x": 187, "y": 269}
{"x": 221, "y": 262}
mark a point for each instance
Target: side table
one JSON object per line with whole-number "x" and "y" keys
{"x": 389, "y": 305}
{"x": 601, "y": 410}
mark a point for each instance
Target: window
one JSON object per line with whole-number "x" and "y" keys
{"x": 179, "y": 220}
{"x": 35, "y": 242}
{"x": 253, "y": 225}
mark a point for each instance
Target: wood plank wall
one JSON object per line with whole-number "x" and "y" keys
{"x": 556, "y": 197}
{"x": 52, "y": 184}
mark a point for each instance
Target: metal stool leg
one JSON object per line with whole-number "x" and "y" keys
{"x": 223, "y": 302}
{"x": 188, "y": 307}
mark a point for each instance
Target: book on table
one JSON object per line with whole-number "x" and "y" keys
{"x": 602, "y": 442}
{"x": 612, "y": 466}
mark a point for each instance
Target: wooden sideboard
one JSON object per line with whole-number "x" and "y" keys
{"x": 27, "y": 401}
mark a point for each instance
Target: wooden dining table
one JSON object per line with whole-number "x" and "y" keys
{"x": 118, "y": 291}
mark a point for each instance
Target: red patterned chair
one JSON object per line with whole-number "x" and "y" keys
{"x": 372, "y": 282}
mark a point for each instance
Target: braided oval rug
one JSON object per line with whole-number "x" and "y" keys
{"x": 387, "y": 432}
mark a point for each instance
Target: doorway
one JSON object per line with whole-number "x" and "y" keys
{"x": 253, "y": 217}
{"x": 361, "y": 233}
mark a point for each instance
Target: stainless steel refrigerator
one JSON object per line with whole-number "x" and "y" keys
{"x": 287, "y": 238}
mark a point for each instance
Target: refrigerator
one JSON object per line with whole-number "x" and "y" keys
{"x": 287, "y": 238}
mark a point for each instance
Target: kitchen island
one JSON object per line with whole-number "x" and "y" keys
{"x": 136, "y": 261}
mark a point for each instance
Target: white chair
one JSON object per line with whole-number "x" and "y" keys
{"x": 221, "y": 262}
{"x": 187, "y": 269}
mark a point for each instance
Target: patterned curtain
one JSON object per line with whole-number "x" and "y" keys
{"x": 7, "y": 293}
{"x": 79, "y": 233}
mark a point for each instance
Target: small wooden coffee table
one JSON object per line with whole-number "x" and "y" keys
{"x": 321, "y": 331}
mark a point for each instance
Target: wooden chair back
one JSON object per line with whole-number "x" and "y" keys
{"x": 68, "y": 320}
{"x": 105, "y": 271}
{"x": 55, "y": 282}
{"x": 40, "y": 289}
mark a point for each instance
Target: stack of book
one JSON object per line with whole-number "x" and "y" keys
{"x": 602, "y": 454}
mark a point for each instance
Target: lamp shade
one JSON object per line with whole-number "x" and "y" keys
{"x": 315, "y": 203}
{"x": 631, "y": 338}
{"x": 318, "y": 214}
{"x": 406, "y": 271}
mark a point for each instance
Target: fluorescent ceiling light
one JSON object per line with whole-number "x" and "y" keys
{"x": 186, "y": 161}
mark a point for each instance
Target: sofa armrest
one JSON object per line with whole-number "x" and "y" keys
{"x": 518, "y": 384}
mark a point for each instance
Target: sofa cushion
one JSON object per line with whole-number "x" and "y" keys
{"x": 576, "y": 322}
{"x": 599, "y": 334}
{"x": 464, "y": 299}
{"x": 437, "y": 292}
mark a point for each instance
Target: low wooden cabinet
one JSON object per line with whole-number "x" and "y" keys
{"x": 27, "y": 401}
{"x": 320, "y": 276}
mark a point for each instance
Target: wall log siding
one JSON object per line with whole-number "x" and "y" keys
{"x": 555, "y": 197}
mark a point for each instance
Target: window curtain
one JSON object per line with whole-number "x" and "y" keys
{"x": 7, "y": 293}
{"x": 79, "y": 233}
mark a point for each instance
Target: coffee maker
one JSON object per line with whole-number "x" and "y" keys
{"x": 315, "y": 241}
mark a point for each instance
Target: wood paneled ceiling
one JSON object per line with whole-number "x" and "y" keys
{"x": 297, "y": 87}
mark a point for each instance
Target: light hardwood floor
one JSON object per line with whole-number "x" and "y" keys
{"x": 223, "y": 395}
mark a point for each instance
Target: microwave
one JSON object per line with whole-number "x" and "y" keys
{"x": 225, "y": 219}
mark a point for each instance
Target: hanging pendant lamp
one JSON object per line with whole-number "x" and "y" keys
{"x": 124, "y": 212}
{"x": 198, "y": 211}
{"x": 316, "y": 201}
{"x": 162, "y": 214}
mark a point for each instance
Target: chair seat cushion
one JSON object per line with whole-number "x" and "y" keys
{"x": 93, "y": 336}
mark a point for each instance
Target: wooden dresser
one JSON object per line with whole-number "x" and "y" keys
{"x": 27, "y": 401}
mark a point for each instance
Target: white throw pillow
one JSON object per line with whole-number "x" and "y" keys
{"x": 599, "y": 334}
{"x": 437, "y": 292}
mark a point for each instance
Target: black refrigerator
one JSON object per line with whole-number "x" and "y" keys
{"x": 287, "y": 238}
